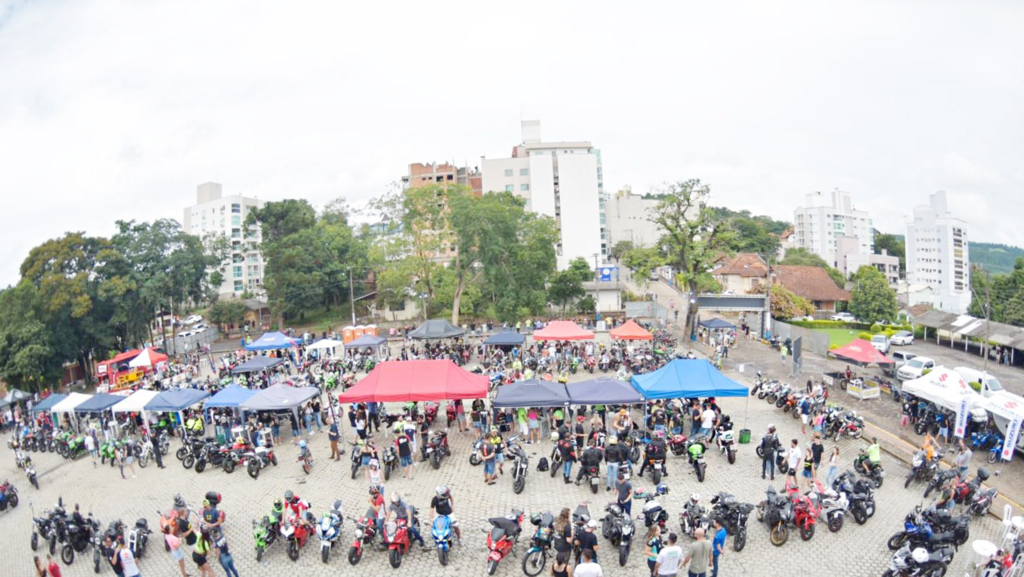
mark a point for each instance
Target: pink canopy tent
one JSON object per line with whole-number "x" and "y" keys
{"x": 398, "y": 381}
{"x": 562, "y": 331}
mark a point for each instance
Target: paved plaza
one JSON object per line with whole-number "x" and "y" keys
{"x": 854, "y": 551}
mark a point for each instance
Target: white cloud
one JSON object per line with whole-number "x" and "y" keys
{"x": 117, "y": 110}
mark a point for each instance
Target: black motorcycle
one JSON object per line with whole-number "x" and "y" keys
{"x": 520, "y": 465}
{"x": 860, "y": 494}
{"x": 80, "y": 536}
{"x": 618, "y": 527}
{"x": 921, "y": 468}
{"x": 776, "y": 511}
{"x": 938, "y": 480}
{"x": 436, "y": 448}
{"x": 733, "y": 516}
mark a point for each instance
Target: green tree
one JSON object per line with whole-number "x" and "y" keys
{"x": 787, "y": 305}
{"x": 27, "y": 359}
{"x": 894, "y": 245}
{"x": 225, "y": 313}
{"x": 694, "y": 236}
{"x": 620, "y": 248}
{"x": 565, "y": 287}
{"x": 586, "y": 305}
{"x": 872, "y": 299}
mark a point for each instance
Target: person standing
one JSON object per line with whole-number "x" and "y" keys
{"x": 717, "y": 544}
{"x": 613, "y": 455}
{"x": 817, "y": 450}
{"x": 833, "y": 467}
{"x": 698, "y": 557}
{"x": 317, "y": 410}
{"x": 52, "y": 566}
{"x": 588, "y": 567}
{"x": 403, "y": 446}
{"x": 963, "y": 460}
{"x": 154, "y": 440}
{"x": 90, "y": 445}
{"x": 227, "y": 562}
{"x": 670, "y": 558}
{"x": 652, "y": 544}
{"x": 174, "y": 544}
{"x": 199, "y": 553}
{"x": 794, "y": 459}
{"x": 487, "y": 456}
{"x": 561, "y": 567}
{"x": 586, "y": 542}
{"x": 769, "y": 447}
{"x": 784, "y": 351}
{"x": 624, "y": 497}
{"x": 127, "y": 559}
{"x": 332, "y": 436}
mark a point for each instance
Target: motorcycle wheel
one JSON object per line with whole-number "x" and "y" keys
{"x": 963, "y": 538}
{"x": 771, "y": 399}
{"x": 843, "y": 383}
{"x": 442, "y": 556}
{"x": 910, "y": 478}
{"x": 144, "y": 460}
{"x": 807, "y": 531}
{"x": 229, "y": 466}
{"x": 305, "y": 469}
{"x": 53, "y": 545}
{"x": 492, "y": 567}
{"x": 992, "y": 457}
{"x": 656, "y": 475}
{"x": 897, "y": 541}
{"x": 928, "y": 491}
{"x": 700, "y": 473}
{"x": 188, "y": 461}
{"x": 180, "y": 453}
{"x": 533, "y": 562}
{"x": 63, "y": 450}
{"x": 593, "y": 488}
{"x": 435, "y": 460}
{"x": 13, "y": 499}
{"x": 273, "y": 460}
{"x": 165, "y": 448}
{"x": 293, "y": 550}
{"x": 325, "y": 554}
{"x": 67, "y": 554}
{"x": 761, "y": 395}
{"x": 784, "y": 467}
{"x": 623, "y": 555}
{"x": 732, "y": 456}
{"x": 760, "y": 452}
{"x": 860, "y": 516}
{"x": 254, "y": 469}
{"x": 739, "y": 541}
{"x": 354, "y": 555}
{"x": 518, "y": 485}
{"x": 395, "y": 558}
{"x": 835, "y": 523}
{"x": 200, "y": 466}
{"x": 936, "y": 571}
{"x": 474, "y": 459}
{"x": 778, "y": 535}
{"x": 794, "y": 414}
{"x": 387, "y": 471}
{"x": 780, "y": 403}
{"x": 96, "y": 560}
{"x": 919, "y": 428}
{"x": 355, "y": 467}
{"x": 554, "y": 470}
{"x": 878, "y": 482}
{"x": 35, "y": 540}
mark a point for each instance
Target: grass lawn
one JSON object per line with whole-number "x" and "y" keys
{"x": 839, "y": 337}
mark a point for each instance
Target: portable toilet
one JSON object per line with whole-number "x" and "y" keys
{"x": 348, "y": 334}
{"x": 370, "y": 330}
{"x": 358, "y": 331}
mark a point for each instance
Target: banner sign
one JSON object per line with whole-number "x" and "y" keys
{"x": 1012, "y": 432}
{"x": 961, "y": 417}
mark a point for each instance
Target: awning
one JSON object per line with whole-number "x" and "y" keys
{"x": 68, "y": 404}
{"x": 861, "y": 351}
{"x": 271, "y": 341}
{"x": 256, "y": 364}
{"x": 508, "y": 337}
{"x": 631, "y": 331}
{"x": 687, "y": 379}
{"x": 47, "y": 403}
{"x": 16, "y": 395}
{"x": 436, "y": 329}
{"x": 98, "y": 403}
{"x": 717, "y": 324}
{"x": 603, "y": 391}
{"x": 323, "y": 344}
{"x": 148, "y": 358}
{"x": 229, "y": 396}
{"x": 176, "y": 400}
{"x": 278, "y": 397}
{"x": 562, "y": 331}
{"x": 402, "y": 381}
{"x": 366, "y": 341}
{"x": 1005, "y": 405}
{"x": 531, "y": 393}
{"x": 136, "y": 403}
{"x": 944, "y": 387}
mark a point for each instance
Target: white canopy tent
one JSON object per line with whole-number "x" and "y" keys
{"x": 143, "y": 360}
{"x": 322, "y": 344}
{"x": 135, "y": 403}
{"x": 68, "y": 406}
{"x": 1008, "y": 413}
{"x": 945, "y": 387}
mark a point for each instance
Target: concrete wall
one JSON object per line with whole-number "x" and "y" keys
{"x": 813, "y": 341}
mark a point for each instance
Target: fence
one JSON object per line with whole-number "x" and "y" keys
{"x": 646, "y": 310}
{"x": 813, "y": 341}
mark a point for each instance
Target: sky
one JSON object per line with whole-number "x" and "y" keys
{"x": 117, "y": 110}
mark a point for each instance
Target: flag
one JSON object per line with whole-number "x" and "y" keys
{"x": 1012, "y": 432}
{"x": 961, "y": 417}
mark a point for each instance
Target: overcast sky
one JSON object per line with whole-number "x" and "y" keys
{"x": 117, "y": 110}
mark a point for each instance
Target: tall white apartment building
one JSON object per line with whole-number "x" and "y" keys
{"x": 937, "y": 254}
{"x": 628, "y": 217}
{"x": 823, "y": 219}
{"x": 560, "y": 179}
{"x": 225, "y": 215}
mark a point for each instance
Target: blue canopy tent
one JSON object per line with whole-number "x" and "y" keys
{"x": 98, "y": 403}
{"x": 176, "y": 400}
{"x": 687, "y": 379}
{"x": 256, "y": 364}
{"x": 45, "y": 404}
{"x": 271, "y": 341}
{"x": 506, "y": 338}
{"x": 229, "y": 396}
{"x": 531, "y": 393}
{"x": 717, "y": 324}
{"x": 603, "y": 391}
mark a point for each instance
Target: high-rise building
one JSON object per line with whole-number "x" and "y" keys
{"x": 627, "y": 216}
{"x": 822, "y": 220}
{"x": 563, "y": 180}
{"x": 225, "y": 215}
{"x": 937, "y": 254}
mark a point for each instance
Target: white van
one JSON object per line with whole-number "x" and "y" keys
{"x": 989, "y": 384}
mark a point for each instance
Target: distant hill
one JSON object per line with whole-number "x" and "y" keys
{"x": 995, "y": 258}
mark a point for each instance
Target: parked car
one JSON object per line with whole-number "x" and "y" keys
{"x": 881, "y": 343}
{"x": 901, "y": 359}
{"x": 902, "y": 338}
{"x": 989, "y": 384}
{"x": 914, "y": 368}
{"x": 843, "y": 317}
{"x": 199, "y": 328}
{"x": 185, "y": 334}
{"x": 192, "y": 320}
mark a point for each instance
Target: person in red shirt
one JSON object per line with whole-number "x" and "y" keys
{"x": 295, "y": 504}
{"x": 52, "y": 566}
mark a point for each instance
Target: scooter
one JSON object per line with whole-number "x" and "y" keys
{"x": 328, "y": 530}
{"x": 502, "y": 538}
{"x": 652, "y": 511}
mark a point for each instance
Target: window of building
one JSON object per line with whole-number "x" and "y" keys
{"x": 509, "y": 188}
{"x": 237, "y": 271}
{"x": 524, "y": 172}
{"x": 236, "y": 208}
{"x": 254, "y": 258}
{"x": 508, "y": 172}
{"x": 236, "y": 233}
{"x": 238, "y": 286}
{"x": 524, "y": 187}
{"x": 236, "y": 220}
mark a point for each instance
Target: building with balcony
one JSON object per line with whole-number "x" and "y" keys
{"x": 214, "y": 213}
{"x": 823, "y": 219}
{"x": 937, "y": 254}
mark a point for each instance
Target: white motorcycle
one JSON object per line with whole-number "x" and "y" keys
{"x": 726, "y": 444}
{"x": 329, "y": 530}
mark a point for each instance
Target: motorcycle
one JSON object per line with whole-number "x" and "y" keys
{"x": 443, "y": 535}
{"x": 502, "y": 538}
{"x": 436, "y": 448}
{"x": 8, "y": 496}
{"x": 43, "y": 526}
{"x": 297, "y": 533}
{"x": 79, "y": 538}
{"x": 931, "y": 527}
{"x": 328, "y": 530}
{"x": 982, "y": 502}
{"x": 520, "y": 465}
{"x": 921, "y": 468}
{"x": 733, "y": 516}
{"x": 699, "y": 466}
{"x": 834, "y": 506}
{"x": 677, "y": 444}
{"x": 366, "y": 531}
{"x": 806, "y": 509}
{"x": 919, "y": 561}
{"x": 939, "y": 479}
{"x": 396, "y": 534}
{"x": 138, "y": 537}
{"x": 776, "y": 511}
{"x": 591, "y": 476}
{"x": 726, "y": 444}
{"x": 652, "y": 511}
{"x": 261, "y": 457}
{"x": 859, "y": 492}
{"x": 693, "y": 517}
{"x": 875, "y": 471}
{"x": 30, "y": 470}
{"x": 851, "y": 426}
{"x": 263, "y": 534}
{"x": 618, "y": 528}
{"x": 536, "y": 556}
{"x": 306, "y": 458}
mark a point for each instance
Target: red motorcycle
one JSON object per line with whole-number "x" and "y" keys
{"x": 502, "y": 537}
{"x": 852, "y": 426}
{"x": 430, "y": 413}
{"x": 806, "y": 509}
{"x": 297, "y": 533}
{"x": 396, "y": 534}
{"x": 366, "y": 531}
{"x": 591, "y": 363}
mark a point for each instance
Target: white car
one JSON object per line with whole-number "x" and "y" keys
{"x": 192, "y": 320}
{"x": 843, "y": 317}
{"x": 881, "y": 343}
{"x": 914, "y": 368}
{"x": 184, "y": 334}
{"x": 902, "y": 338}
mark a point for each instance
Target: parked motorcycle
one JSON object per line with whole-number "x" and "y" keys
{"x": 396, "y": 534}
{"x": 851, "y": 426}
{"x": 365, "y": 533}
{"x": 919, "y": 561}
{"x": 79, "y": 538}
{"x": 693, "y": 517}
{"x": 776, "y": 511}
{"x": 931, "y": 527}
{"x": 922, "y": 469}
{"x": 520, "y": 464}
{"x": 540, "y": 544}
{"x": 261, "y": 457}
{"x": 726, "y": 444}
{"x": 697, "y": 459}
{"x": 618, "y": 527}
{"x": 502, "y": 537}
{"x": 652, "y": 511}
{"x": 834, "y": 506}
{"x": 733, "y": 515}
{"x": 436, "y": 448}
{"x": 328, "y": 530}
{"x": 443, "y": 536}
{"x": 296, "y": 534}
{"x": 8, "y": 496}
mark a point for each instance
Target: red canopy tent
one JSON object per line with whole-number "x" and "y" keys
{"x": 631, "y": 332}
{"x": 110, "y": 366}
{"x": 861, "y": 351}
{"x": 562, "y": 331}
{"x": 399, "y": 381}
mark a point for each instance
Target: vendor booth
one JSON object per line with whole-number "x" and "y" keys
{"x": 15, "y": 396}
{"x": 531, "y": 393}
{"x": 256, "y": 364}
{"x": 424, "y": 380}
{"x": 48, "y": 403}
{"x": 67, "y": 406}
{"x": 280, "y": 398}
{"x": 630, "y": 331}
{"x": 563, "y": 331}
{"x": 135, "y": 403}
{"x": 945, "y": 388}
{"x": 327, "y": 346}
{"x": 436, "y": 329}
{"x": 1008, "y": 414}
{"x": 371, "y": 342}
{"x": 717, "y": 324}
{"x": 507, "y": 337}
{"x": 98, "y": 403}
{"x": 229, "y": 397}
{"x": 148, "y": 359}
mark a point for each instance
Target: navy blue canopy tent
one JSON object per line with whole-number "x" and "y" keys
{"x": 717, "y": 324}
{"x": 176, "y": 400}
{"x": 507, "y": 337}
{"x": 99, "y": 403}
{"x": 45, "y": 404}
{"x": 270, "y": 341}
{"x": 256, "y": 364}
{"x": 531, "y": 393}
{"x": 687, "y": 379}
{"x": 366, "y": 341}
{"x": 603, "y": 391}
{"x": 436, "y": 329}
{"x": 229, "y": 396}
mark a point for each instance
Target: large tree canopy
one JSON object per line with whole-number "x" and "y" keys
{"x": 873, "y": 299}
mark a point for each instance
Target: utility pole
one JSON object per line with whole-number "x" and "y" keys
{"x": 988, "y": 322}
{"x": 767, "y": 319}
{"x": 351, "y": 296}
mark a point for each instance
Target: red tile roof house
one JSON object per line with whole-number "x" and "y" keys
{"x": 743, "y": 274}
{"x": 812, "y": 283}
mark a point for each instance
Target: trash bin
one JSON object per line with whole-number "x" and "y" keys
{"x": 744, "y": 436}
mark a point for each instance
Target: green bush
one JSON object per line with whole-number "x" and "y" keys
{"x": 828, "y": 325}
{"x": 865, "y": 336}
{"x": 833, "y": 346}
{"x": 975, "y": 386}
{"x": 876, "y": 328}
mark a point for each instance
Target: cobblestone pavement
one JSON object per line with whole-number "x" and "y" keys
{"x": 855, "y": 551}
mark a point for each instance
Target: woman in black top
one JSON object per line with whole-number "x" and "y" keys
{"x": 563, "y": 532}
{"x": 561, "y": 567}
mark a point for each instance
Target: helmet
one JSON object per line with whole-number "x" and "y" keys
{"x": 289, "y": 496}
{"x": 771, "y": 428}
{"x": 661, "y": 489}
{"x": 592, "y": 524}
{"x": 920, "y": 555}
{"x": 494, "y": 429}
{"x": 441, "y": 491}
{"x": 694, "y": 498}
{"x": 396, "y": 498}
{"x": 554, "y": 436}
{"x": 361, "y": 443}
{"x": 302, "y": 444}
{"x": 374, "y": 489}
{"x": 337, "y": 505}
{"x": 612, "y": 439}
{"x": 206, "y": 502}
{"x": 278, "y": 505}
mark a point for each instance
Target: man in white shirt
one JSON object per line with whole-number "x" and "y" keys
{"x": 707, "y": 422}
{"x": 669, "y": 558}
{"x": 588, "y": 568}
{"x": 795, "y": 458}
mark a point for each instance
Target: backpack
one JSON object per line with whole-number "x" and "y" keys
{"x": 542, "y": 465}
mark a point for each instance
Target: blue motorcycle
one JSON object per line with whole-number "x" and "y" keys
{"x": 328, "y": 530}
{"x": 442, "y": 534}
